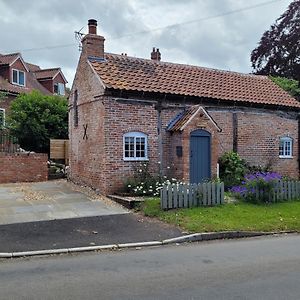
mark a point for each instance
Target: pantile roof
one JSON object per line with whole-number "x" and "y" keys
{"x": 122, "y": 72}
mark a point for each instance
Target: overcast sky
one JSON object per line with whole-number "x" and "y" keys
{"x": 206, "y": 33}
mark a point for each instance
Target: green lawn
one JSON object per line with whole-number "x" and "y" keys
{"x": 233, "y": 216}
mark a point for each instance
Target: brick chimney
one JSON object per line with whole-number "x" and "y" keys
{"x": 93, "y": 44}
{"x": 155, "y": 54}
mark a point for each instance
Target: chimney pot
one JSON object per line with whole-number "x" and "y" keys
{"x": 155, "y": 54}
{"x": 92, "y": 23}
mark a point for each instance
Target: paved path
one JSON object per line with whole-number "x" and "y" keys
{"x": 261, "y": 268}
{"x": 50, "y": 200}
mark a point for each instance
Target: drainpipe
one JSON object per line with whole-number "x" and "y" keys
{"x": 159, "y": 137}
{"x": 298, "y": 144}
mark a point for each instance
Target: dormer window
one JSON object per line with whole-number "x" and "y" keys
{"x": 18, "y": 77}
{"x": 59, "y": 89}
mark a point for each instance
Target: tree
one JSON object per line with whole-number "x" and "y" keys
{"x": 278, "y": 52}
{"x": 35, "y": 118}
{"x": 289, "y": 85}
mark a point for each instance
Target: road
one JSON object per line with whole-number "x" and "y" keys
{"x": 260, "y": 268}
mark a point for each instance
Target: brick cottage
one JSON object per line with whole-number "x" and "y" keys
{"x": 179, "y": 118}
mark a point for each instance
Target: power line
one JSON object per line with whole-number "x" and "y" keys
{"x": 198, "y": 20}
{"x": 160, "y": 28}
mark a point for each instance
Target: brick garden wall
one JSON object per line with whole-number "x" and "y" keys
{"x": 23, "y": 167}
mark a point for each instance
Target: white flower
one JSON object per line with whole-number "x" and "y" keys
{"x": 140, "y": 170}
{"x": 129, "y": 185}
{"x": 144, "y": 192}
{"x": 168, "y": 167}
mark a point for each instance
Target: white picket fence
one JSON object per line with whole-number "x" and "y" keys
{"x": 190, "y": 195}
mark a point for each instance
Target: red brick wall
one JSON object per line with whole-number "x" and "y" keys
{"x": 48, "y": 84}
{"x": 87, "y": 155}
{"x": 23, "y": 167}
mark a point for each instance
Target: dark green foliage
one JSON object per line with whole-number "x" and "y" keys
{"x": 232, "y": 168}
{"x": 278, "y": 51}
{"x": 289, "y": 85}
{"x": 35, "y": 118}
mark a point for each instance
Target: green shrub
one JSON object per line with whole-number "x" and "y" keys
{"x": 232, "y": 168}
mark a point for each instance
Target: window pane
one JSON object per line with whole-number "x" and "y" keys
{"x": 21, "y": 78}
{"x": 61, "y": 89}
{"x": 55, "y": 88}
{"x": 134, "y": 146}
{"x": 15, "y": 76}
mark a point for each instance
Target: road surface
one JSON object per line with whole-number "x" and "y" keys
{"x": 260, "y": 268}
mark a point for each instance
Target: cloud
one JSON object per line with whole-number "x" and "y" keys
{"x": 130, "y": 26}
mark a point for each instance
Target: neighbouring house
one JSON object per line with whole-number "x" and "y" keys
{"x": 180, "y": 119}
{"x": 18, "y": 76}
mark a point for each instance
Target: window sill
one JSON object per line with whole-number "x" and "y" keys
{"x": 18, "y": 84}
{"x": 135, "y": 159}
{"x": 284, "y": 156}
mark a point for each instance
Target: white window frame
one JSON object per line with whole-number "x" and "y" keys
{"x": 60, "y": 88}
{"x": 287, "y": 142}
{"x": 2, "y": 110}
{"x": 135, "y": 135}
{"x": 18, "y": 77}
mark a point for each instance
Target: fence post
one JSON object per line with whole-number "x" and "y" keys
{"x": 222, "y": 193}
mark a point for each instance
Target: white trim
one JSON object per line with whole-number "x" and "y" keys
{"x": 18, "y": 77}
{"x": 206, "y": 114}
{"x": 3, "y": 110}
{"x": 135, "y": 134}
{"x": 22, "y": 61}
{"x": 283, "y": 140}
{"x": 62, "y": 75}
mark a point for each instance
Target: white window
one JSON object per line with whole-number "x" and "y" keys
{"x": 18, "y": 77}
{"x": 59, "y": 89}
{"x": 135, "y": 146}
{"x": 285, "y": 147}
{"x": 2, "y": 117}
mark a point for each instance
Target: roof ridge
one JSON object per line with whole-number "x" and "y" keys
{"x": 188, "y": 66}
{"x": 49, "y": 69}
{"x": 11, "y": 54}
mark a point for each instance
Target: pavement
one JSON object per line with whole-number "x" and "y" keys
{"x": 58, "y": 214}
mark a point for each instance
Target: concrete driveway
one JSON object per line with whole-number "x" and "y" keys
{"x": 51, "y": 200}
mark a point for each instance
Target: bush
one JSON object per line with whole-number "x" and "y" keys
{"x": 257, "y": 187}
{"x": 35, "y": 118}
{"x": 143, "y": 183}
{"x": 232, "y": 168}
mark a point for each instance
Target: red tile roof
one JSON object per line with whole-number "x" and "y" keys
{"x": 46, "y": 73}
{"x": 7, "y": 59}
{"x": 184, "y": 117}
{"x": 32, "y": 67}
{"x": 32, "y": 84}
{"x": 136, "y": 74}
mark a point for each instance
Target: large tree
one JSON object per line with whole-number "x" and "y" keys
{"x": 35, "y": 118}
{"x": 278, "y": 52}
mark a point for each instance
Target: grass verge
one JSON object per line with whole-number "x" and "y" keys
{"x": 231, "y": 216}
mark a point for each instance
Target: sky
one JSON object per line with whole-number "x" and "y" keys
{"x": 211, "y": 33}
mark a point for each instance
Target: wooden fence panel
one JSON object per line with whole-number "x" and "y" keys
{"x": 190, "y": 195}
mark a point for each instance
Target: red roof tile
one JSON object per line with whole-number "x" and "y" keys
{"x": 46, "y": 73}
{"x": 32, "y": 84}
{"x": 7, "y": 59}
{"x": 136, "y": 74}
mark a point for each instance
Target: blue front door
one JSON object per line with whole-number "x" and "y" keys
{"x": 200, "y": 156}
